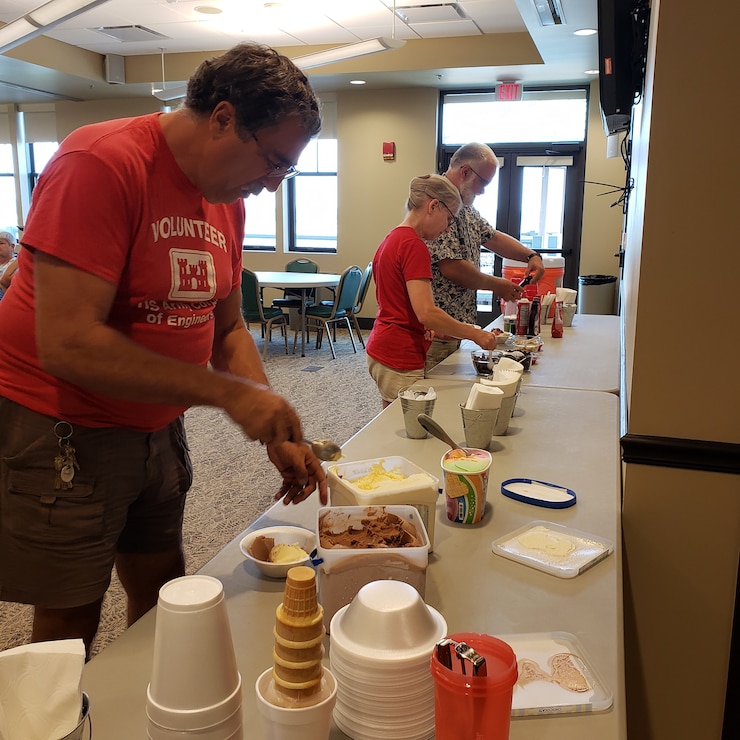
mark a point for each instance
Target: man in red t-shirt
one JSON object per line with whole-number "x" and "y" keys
{"x": 126, "y": 310}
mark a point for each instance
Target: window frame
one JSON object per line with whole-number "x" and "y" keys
{"x": 509, "y": 180}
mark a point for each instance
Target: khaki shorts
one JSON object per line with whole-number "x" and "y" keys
{"x": 58, "y": 547}
{"x": 390, "y": 381}
{"x": 439, "y": 350}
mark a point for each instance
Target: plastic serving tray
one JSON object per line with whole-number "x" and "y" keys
{"x": 553, "y": 548}
{"x": 555, "y": 676}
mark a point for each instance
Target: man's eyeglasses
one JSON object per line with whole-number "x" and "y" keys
{"x": 450, "y": 218}
{"x": 485, "y": 182}
{"x": 286, "y": 171}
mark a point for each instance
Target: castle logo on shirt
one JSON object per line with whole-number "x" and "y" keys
{"x": 193, "y": 275}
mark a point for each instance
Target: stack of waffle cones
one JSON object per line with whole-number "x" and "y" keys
{"x": 299, "y": 637}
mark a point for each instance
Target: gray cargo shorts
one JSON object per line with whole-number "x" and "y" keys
{"x": 57, "y": 546}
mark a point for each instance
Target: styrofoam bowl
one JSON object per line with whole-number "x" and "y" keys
{"x": 387, "y": 616}
{"x": 283, "y": 535}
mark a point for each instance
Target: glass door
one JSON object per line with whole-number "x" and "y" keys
{"x": 536, "y": 197}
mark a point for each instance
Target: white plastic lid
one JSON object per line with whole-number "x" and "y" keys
{"x": 549, "y": 261}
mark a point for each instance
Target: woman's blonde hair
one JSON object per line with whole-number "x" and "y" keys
{"x": 433, "y": 187}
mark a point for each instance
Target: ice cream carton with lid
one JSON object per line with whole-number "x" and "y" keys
{"x": 385, "y": 480}
{"x": 361, "y": 544}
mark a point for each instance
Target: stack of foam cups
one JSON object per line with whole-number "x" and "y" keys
{"x": 297, "y": 695}
{"x": 195, "y": 688}
{"x": 380, "y": 648}
{"x": 480, "y": 414}
{"x": 508, "y": 380}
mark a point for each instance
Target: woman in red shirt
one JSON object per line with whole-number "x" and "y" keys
{"x": 407, "y": 318}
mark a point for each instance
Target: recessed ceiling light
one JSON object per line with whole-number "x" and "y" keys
{"x": 591, "y": 72}
{"x": 208, "y": 9}
{"x": 585, "y": 32}
{"x": 357, "y": 82}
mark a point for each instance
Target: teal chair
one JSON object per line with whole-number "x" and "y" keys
{"x": 292, "y": 298}
{"x": 254, "y": 312}
{"x": 367, "y": 278}
{"x": 328, "y": 314}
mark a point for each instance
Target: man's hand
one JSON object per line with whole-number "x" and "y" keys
{"x": 536, "y": 268}
{"x": 506, "y": 290}
{"x": 263, "y": 414}
{"x": 301, "y": 471}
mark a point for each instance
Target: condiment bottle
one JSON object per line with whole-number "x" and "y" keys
{"x": 556, "y": 328}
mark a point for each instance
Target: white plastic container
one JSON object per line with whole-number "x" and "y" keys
{"x": 342, "y": 572}
{"x": 421, "y": 495}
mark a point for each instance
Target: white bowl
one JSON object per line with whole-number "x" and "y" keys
{"x": 387, "y": 618}
{"x": 304, "y": 538}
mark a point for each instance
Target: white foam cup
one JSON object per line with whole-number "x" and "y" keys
{"x": 295, "y": 723}
{"x": 195, "y": 684}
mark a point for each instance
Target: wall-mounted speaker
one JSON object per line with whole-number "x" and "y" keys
{"x": 115, "y": 69}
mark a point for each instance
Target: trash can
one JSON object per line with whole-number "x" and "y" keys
{"x": 596, "y": 294}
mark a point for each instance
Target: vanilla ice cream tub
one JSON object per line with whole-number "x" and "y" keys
{"x": 385, "y": 480}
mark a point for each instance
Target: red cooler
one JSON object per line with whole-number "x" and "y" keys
{"x": 553, "y": 277}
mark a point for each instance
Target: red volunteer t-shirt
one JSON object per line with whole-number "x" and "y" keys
{"x": 398, "y": 339}
{"x": 113, "y": 202}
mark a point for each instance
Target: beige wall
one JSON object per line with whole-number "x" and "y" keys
{"x": 682, "y": 527}
{"x": 70, "y": 116}
{"x": 373, "y": 191}
{"x": 681, "y": 256}
{"x": 601, "y": 228}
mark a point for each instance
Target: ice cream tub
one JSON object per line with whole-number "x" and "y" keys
{"x": 385, "y": 480}
{"x": 466, "y": 484}
{"x": 357, "y": 545}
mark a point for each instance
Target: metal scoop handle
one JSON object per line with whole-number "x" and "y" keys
{"x": 436, "y": 430}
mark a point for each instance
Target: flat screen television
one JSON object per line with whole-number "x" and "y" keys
{"x": 623, "y": 30}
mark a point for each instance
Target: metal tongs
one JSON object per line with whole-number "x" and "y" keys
{"x": 464, "y": 653}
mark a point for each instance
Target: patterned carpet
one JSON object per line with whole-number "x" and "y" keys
{"x": 234, "y": 483}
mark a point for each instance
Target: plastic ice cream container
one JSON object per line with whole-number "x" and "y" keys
{"x": 371, "y": 483}
{"x": 342, "y": 572}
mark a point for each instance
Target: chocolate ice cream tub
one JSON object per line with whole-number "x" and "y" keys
{"x": 360, "y": 544}
{"x": 385, "y": 480}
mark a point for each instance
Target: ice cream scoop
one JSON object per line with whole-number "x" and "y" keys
{"x": 326, "y": 450}
{"x": 436, "y": 430}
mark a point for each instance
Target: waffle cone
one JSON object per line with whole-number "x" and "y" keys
{"x": 299, "y": 634}
{"x": 300, "y": 597}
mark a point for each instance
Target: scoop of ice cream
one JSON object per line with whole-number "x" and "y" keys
{"x": 286, "y": 554}
{"x": 379, "y": 479}
{"x": 461, "y": 461}
{"x": 264, "y": 548}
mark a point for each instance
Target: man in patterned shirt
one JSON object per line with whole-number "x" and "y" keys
{"x": 456, "y": 254}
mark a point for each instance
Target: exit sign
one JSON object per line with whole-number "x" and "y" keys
{"x": 508, "y": 91}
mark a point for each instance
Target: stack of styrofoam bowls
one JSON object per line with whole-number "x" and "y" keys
{"x": 379, "y": 652}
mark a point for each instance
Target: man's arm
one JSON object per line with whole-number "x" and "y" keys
{"x": 8, "y": 274}
{"x": 235, "y": 352}
{"x": 75, "y": 344}
{"x": 461, "y": 272}
{"x": 511, "y": 248}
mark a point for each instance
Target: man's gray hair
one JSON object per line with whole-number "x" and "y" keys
{"x": 472, "y": 153}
